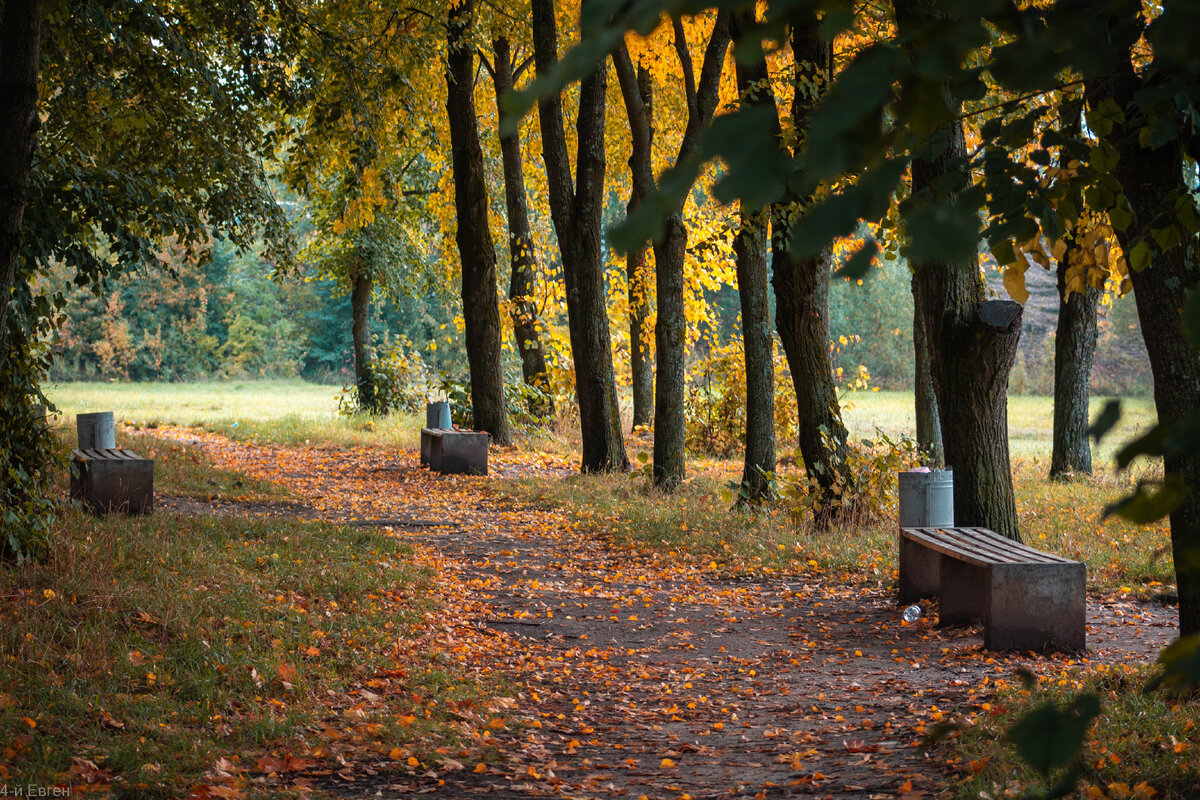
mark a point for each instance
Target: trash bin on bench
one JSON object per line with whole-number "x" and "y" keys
{"x": 97, "y": 430}
{"x": 437, "y": 415}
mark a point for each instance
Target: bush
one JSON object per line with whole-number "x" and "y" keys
{"x": 865, "y": 489}
{"x": 400, "y": 378}
{"x": 714, "y": 401}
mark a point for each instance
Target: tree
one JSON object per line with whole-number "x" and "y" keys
{"x": 637, "y": 90}
{"x": 20, "y": 45}
{"x": 972, "y": 342}
{"x": 750, "y": 251}
{"x": 670, "y": 246}
{"x": 523, "y": 278}
{"x": 576, "y": 205}
{"x": 478, "y": 255}
{"x": 1075, "y": 337}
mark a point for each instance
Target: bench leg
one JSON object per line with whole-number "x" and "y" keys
{"x": 963, "y": 593}
{"x": 920, "y": 571}
{"x": 1036, "y": 607}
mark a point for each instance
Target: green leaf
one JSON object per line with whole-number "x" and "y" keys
{"x": 1139, "y": 255}
{"x": 1050, "y": 737}
{"x": 943, "y": 232}
{"x": 1143, "y": 506}
{"x": 1181, "y": 667}
{"x": 857, "y": 266}
{"x": 1105, "y": 420}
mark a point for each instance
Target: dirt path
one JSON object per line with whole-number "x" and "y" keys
{"x": 655, "y": 676}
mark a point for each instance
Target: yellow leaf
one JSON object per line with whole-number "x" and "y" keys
{"x": 1014, "y": 283}
{"x": 666, "y": 762}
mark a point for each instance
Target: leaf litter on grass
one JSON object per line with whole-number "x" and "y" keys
{"x": 628, "y": 673}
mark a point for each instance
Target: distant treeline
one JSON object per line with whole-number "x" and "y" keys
{"x": 228, "y": 317}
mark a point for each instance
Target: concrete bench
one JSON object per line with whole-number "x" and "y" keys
{"x": 452, "y": 452}
{"x": 113, "y": 479}
{"x": 1027, "y": 599}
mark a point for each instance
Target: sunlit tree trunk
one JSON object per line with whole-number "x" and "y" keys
{"x": 1152, "y": 179}
{"x": 973, "y": 345}
{"x": 522, "y": 258}
{"x": 481, "y": 313}
{"x": 20, "y": 43}
{"x": 576, "y": 207}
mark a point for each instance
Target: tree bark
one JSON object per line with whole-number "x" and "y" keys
{"x": 1152, "y": 180}
{"x": 360, "y": 311}
{"x": 753, "y": 277}
{"x": 670, "y": 251}
{"x": 481, "y": 312}
{"x": 522, "y": 257}
{"x": 929, "y": 421}
{"x": 638, "y": 94}
{"x": 576, "y": 206}
{"x": 1074, "y": 348}
{"x": 20, "y": 43}
{"x": 973, "y": 344}
{"x": 802, "y": 302}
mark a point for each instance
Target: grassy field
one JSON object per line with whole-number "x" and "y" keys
{"x": 295, "y": 411}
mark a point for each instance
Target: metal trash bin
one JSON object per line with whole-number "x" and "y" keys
{"x": 927, "y": 499}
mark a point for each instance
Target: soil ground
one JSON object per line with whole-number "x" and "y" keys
{"x": 645, "y": 674}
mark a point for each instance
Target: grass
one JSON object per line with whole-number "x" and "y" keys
{"x": 1142, "y": 745}
{"x": 292, "y": 412}
{"x": 141, "y": 650}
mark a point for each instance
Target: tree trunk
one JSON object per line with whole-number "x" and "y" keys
{"x": 670, "y": 355}
{"x": 973, "y": 345}
{"x": 1153, "y": 182}
{"x": 481, "y": 312}
{"x": 360, "y": 310}
{"x": 929, "y": 421}
{"x": 638, "y": 93}
{"x": 750, "y": 252}
{"x": 802, "y": 301}
{"x": 1074, "y": 348}
{"x": 522, "y": 258}
{"x": 670, "y": 251}
{"x": 576, "y": 207}
{"x": 20, "y": 42}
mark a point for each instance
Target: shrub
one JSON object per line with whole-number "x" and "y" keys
{"x": 865, "y": 488}
{"x": 400, "y": 377}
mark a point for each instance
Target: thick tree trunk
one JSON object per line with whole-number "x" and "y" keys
{"x": 638, "y": 93}
{"x": 481, "y": 312}
{"x": 973, "y": 345}
{"x": 929, "y": 421}
{"x": 1153, "y": 182}
{"x": 802, "y": 302}
{"x": 360, "y": 311}
{"x": 522, "y": 259}
{"x": 750, "y": 251}
{"x": 576, "y": 207}
{"x": 20, "y": 42}
{"x": 1074, "y": 348}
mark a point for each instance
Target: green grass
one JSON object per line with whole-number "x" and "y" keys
{"x": 153, "y": 646}
{"x": 280, "y": 411}
{"x": 1142, "y": 745}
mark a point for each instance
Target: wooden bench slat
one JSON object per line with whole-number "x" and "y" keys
{"x": 1019, "y": 550}
{"x": 981, "y": 546}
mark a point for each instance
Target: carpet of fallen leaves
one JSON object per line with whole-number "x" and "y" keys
{"x": 639, "y": 674}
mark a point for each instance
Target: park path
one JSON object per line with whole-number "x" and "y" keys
{"x": 649, "y": 674}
